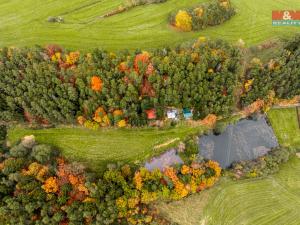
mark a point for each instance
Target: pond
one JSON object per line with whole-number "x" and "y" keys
{"x": 163, "y": 161}
{"x": 245, "y": 140}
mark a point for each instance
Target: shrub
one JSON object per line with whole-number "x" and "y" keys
{"x": 43, "y": 153}
{"x": 3, "y": 133}
{"x": 53, "y": 19}
{"x": 19, "y": 151}
{"x": 264, "y": 165}
{"x": 220, "y": 128}
{"x": 12, "y": 165}
{"x": 190, "y": 148}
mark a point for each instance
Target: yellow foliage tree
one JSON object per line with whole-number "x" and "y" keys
{"x": 183, "y": 20}
{"x": 37, "y": 170}
{"x": 122, "y": 123}
{"x": 248, "y": 84}
{"x": 199, "y": 11}
{"x": 72, "y": 58}
{"x": 81, "y": 120}
{"x": 51, "y": 185}
{"x": 138, "y": 180}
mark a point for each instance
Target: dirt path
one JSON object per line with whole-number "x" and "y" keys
{"x": 166, "y": 143}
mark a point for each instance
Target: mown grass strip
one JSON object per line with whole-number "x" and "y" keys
{"x": 23, "y": 23}
{"x": 98, "y": 148}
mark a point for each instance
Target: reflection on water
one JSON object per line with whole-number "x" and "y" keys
{"x": 169, "y": 158}
{"x": 245, "y": 140}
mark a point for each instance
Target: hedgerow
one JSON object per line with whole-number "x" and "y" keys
{"x": 264, "y": 165}
{"x": 129, "y": 4}
{"x": 51, "y": 85}
{"x": 41, "y": 187}
{"x": 143, "y": 2}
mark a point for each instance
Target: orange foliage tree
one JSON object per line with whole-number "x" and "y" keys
{"x": 96, "y": 83}
{"x": 210, "y": 120}
{"x": 254, "y": 107}
{"x": 51, "y": 185}
{"x": 141, "y": 59}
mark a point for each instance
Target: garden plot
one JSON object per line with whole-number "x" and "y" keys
{"x": 245, "y": 140}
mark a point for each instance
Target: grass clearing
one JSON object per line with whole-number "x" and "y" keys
{"x": 285, "y": 124}
{"x": 24, "y": 23}
{"x": 267, "y": 201}
{"x": 98, "y": 148}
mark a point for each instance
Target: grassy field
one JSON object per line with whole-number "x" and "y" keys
{"x": 273, "y": 200}
{"x": 24, "y": 23}
{"x": 285, "y": 125}
{"x": 98, "y": 148}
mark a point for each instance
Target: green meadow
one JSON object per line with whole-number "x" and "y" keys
{"x": 24, "y": 23}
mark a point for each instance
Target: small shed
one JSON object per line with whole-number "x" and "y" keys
{"x": 173, "y": 113}
{"x": 151, "y": 114}
{"x": 187, "y": 113}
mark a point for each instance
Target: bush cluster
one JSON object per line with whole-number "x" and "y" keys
{"x": 53, "y": 19}
{"x": 199, "y": 17}
{"x": 264, "y": 165}
{"x": 281, "y": 75}
{"x": 55, "y": 86}
{"x": 38, "y": 186}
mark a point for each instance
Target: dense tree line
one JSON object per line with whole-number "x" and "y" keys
{"x": 38, "y": 186}
{"x": 33, "y": 87}
{"x": 50, "y": 85}
{"x": 281, "y": 75}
